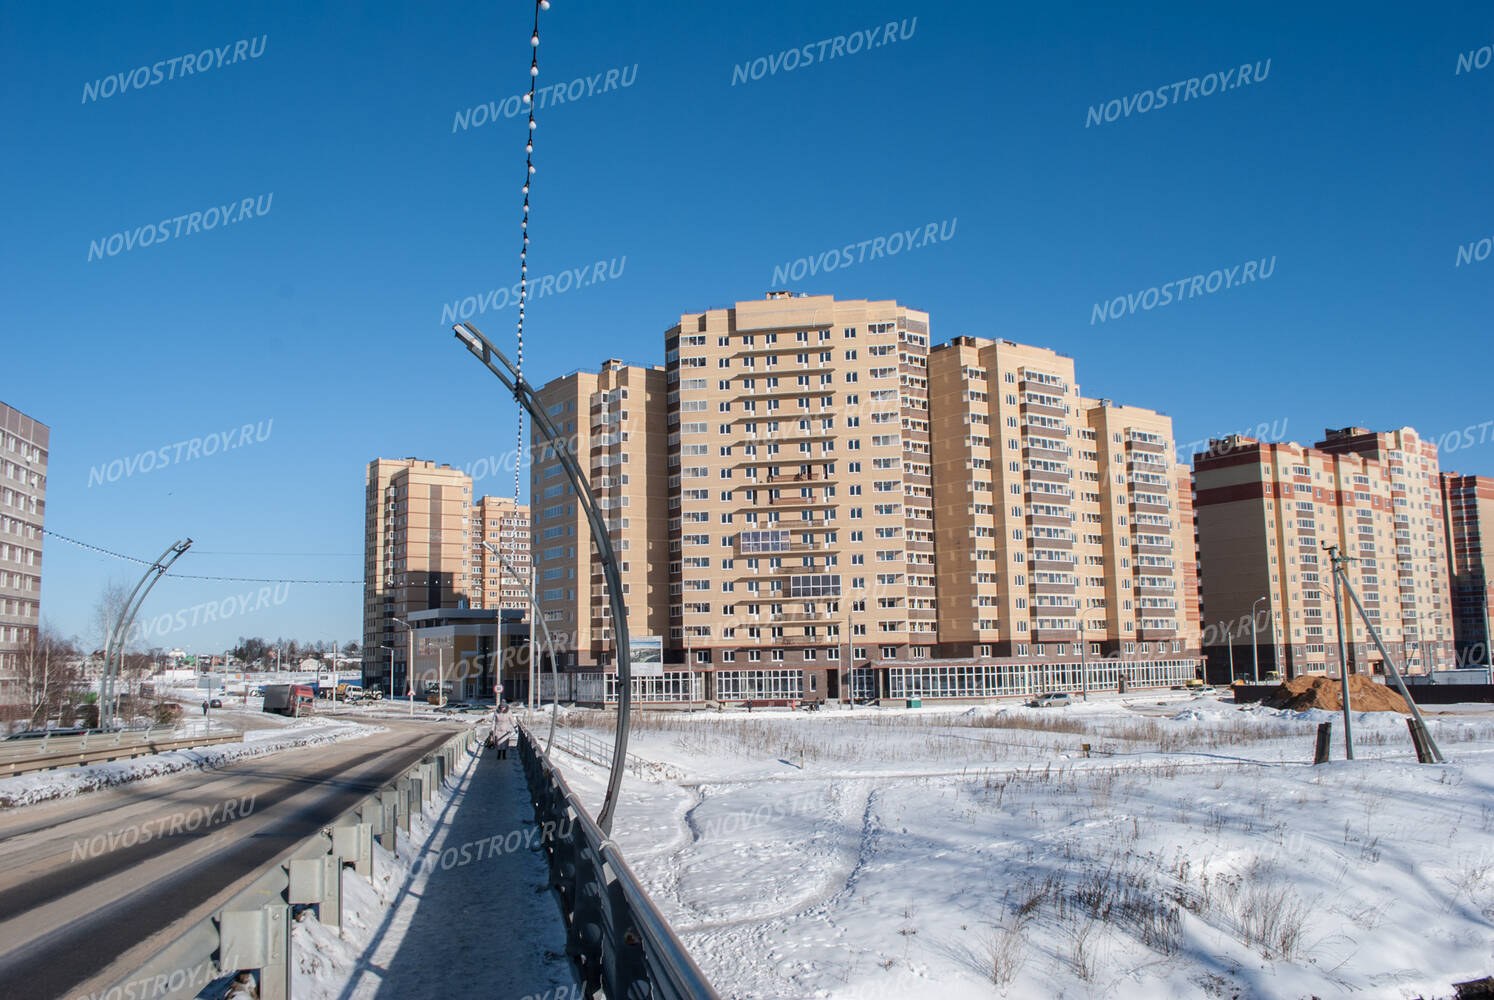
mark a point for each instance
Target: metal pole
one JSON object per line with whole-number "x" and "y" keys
{"x": 536, "y": 616}
{"x": 1255, "y": 653}
{"x": 1083, "y": 660}
{"x": 509, "y": 376}
{"x": 1343, "y": 652}
{"x": 1395, "y": 674}
{"x": 127, "y": 619}
{"x": 1229, "y": 636}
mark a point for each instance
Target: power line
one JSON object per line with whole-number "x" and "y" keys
{"x": 184, "y": 576}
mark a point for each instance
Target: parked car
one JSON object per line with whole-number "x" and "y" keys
{"x": 216, "y": 703}
{"x": 1057, "y": 699}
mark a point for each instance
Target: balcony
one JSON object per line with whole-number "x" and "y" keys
{"x": 802, "y": 479}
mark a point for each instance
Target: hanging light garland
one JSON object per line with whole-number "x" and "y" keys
{"x": 534, "y": 41}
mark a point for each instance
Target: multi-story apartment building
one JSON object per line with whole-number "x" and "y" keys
{"x": 801, "y": 496}
{"x": 24, "y": 444}
{"x": 1468, "y": 503}
{"x": 778, "y": 488}
{"x": 614, "y": 423}
{"x": 416, "y": 556}
{"x": 500, "y": 580}
{"x": 1267, "y": 512}
{"x": 1062, "y": 529}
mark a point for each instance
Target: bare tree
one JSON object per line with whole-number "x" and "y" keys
{"x": 49, "y": 675}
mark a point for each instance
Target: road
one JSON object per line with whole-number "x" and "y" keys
{"x": 90, "y": 887}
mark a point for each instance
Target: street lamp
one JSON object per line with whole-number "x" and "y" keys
{"x": 409, "y": 664}
{"x": 1255, "y": 653}
{"x": 1229, "y": 636}
{"x": 1083, "y": 660}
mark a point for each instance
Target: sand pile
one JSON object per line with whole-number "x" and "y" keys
{"x": 1303, "y": 693}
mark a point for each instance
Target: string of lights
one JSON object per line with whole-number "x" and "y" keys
{"x": 534, "y": 42}
{"x": 185, "y": 576}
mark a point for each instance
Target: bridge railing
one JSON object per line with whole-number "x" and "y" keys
{"x": 251, "y": 932}
{"x": 620, "y": 942}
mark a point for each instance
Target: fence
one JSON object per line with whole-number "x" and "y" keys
{"x": 615, "y": 934}
{"x": 252, "y": 931}
{"x": 45, "y": 753}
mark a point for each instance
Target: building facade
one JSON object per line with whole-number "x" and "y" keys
{"x": 1266, "y": 515}
{"x": 24, "y": 446}
{"x": 1468, "y": 503}
{"x": 1063, "y": 529}
{"x": 778, "y": 492}
{"x": 500, "y": 581}
{"x": 614, "y": 423}
{"x": 416, "y": 554}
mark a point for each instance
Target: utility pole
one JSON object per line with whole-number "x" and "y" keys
{"x": 1343, "y": 651}
{"x": 1229, "y": 636}
{"x": 1083, "y": 660}
{"x": 1255, "y": 653}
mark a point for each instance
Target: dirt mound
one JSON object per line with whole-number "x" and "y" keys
{"x": 1303, "y": 693}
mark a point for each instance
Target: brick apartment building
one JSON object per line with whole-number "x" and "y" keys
{"x": 1265, "y": 515}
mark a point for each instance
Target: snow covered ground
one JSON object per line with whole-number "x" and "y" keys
{"x": 461, "y": 908}
{"x": 279, "y": 734}
{"x": 980, "y": 852}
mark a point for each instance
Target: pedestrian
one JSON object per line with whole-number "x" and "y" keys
{"x": 204, "y": 708}
{"x": 505, "y": 732}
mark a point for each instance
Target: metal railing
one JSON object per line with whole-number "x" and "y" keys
{"x": 620, "y": 942}
{"x": 598, "y": 751}
{"x": 46, "y": 753}
{"x": 251, "y": 932}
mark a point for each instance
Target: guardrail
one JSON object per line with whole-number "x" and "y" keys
{"x": 21, "y": 756}
{"x": 617, "y": 937}
{"x": 251, "y": 932}
{"x": 588, "y": 747}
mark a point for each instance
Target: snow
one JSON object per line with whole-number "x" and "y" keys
{"x": 958, "y": 853}
{"x": 461, "y": 908}
{"x": 41, "y": 786}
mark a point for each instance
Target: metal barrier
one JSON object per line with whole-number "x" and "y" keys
{"x": 598, "y": 751}
{"x": 616, "y": 936}
{"x": 21, "y": 756}
{"x": 251, "y": 932}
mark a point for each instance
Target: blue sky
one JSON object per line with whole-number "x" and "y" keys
{"x": 1360, "y": 164}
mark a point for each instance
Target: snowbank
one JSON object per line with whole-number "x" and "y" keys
{"x": 41, "y": 786}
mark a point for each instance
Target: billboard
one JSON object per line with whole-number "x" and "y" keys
{"x": 648, "y": 655}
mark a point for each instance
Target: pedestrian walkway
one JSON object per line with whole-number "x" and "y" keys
{"x": 478, "y": 918}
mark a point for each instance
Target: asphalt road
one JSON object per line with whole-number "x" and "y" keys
{"x": 92, "y": 886}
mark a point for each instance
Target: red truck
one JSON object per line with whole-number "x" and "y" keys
{"x": 294, "y": 700}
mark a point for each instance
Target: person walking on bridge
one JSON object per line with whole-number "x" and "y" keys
{"x": 505, "y": 731}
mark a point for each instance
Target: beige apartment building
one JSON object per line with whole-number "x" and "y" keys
{"x": 1266, "y": 514}
{"x": 500, "y": 580}
{"x": 24, "y": 444}
{"x": 1063, "y": 531}
{"x": 1468, "y": 503}
{"x": 614, "y": 423}
{"x": 777, "y": 491}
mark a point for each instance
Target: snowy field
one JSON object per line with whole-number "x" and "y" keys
{"x": 1194, "y": 852}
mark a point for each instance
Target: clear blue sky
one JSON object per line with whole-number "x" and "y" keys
{"x": 1361, "y": 164}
